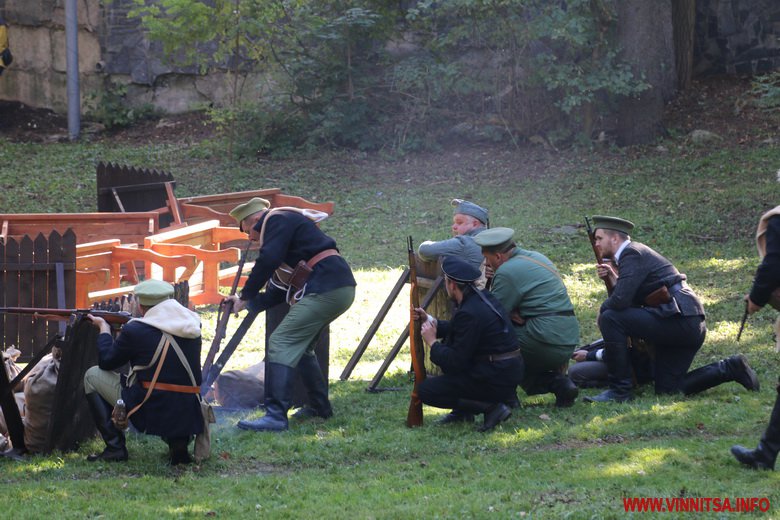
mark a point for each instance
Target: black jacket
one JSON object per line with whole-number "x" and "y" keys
{"x": 475, "y": 330}
{"x": 767, "y": 277}
{"x": 289, "y": 238}
{"x": 641, "y": 270}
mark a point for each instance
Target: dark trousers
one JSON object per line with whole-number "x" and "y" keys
{"x": 444, "y": 391}
{"x": 676, "y": 340}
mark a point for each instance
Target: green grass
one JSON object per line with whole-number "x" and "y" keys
{"x": 698, "y": 207}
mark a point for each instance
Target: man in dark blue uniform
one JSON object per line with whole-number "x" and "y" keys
{"x": 766, "y": 286}
{"x": 652, "y": 301}
{"x": 479, "y": 355}
{"x": 287, "y": 237}
{"x": 172, "y": 409}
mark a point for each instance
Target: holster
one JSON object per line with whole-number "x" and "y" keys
{"x": 658, "y": 297}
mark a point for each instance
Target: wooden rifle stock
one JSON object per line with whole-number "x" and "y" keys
{"x": 415, "y": 415}
{"x": 599, "y": 259}
{"x": 223, "y": 315}
{"x": 112, "y": 318}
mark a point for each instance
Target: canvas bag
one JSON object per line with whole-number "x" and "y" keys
{"x": 202, "y": 440}
{"x": 39, "y": 389}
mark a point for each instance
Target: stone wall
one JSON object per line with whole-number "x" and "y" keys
{"x": 732, "y": 36}
{"x": 112, "y": 49}
{"x": 737, "y": 36}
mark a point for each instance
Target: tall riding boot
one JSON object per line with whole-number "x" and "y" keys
{"x": 115, "y": 449}
{"x": 618, "y": 362}
{"x": 565, "y": 390}
{"x": 278, "y": 397}
{"x": 317, "y": 388}
{"x": 764, "y": 456}
{"x": 734, "y": 368}
{"x": 494, "y": 413}
{"x": 179, "y": 451}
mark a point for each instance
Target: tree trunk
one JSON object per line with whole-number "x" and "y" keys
{"x": 684, "y": 26}
{"x": 645, "y": 40}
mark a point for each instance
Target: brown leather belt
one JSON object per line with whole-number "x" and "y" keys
{"x": 170, "y": 387}
{"x": 499, "y": 357}
{"x": 321, "y": 256}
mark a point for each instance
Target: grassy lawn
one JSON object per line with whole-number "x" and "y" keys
{"x": 697, "y": 206}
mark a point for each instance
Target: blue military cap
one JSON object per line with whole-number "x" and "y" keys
{"x": 612, "y": 223}
{"x": 459, "y": 270}
{"x": 499, "y": 238}
{"x": 465, "y": 207}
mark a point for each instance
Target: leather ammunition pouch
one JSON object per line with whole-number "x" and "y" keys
{"x": 293, "y": 279}
{"x": 658, "y": 297}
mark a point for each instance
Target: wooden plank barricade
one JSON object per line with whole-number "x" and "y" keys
{"x": 39, "y": 273}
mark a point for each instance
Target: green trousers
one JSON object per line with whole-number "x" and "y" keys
{"x": 104, "y": 382}
{"x": 298, "y": 332}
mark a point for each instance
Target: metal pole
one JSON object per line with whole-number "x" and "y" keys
{"x": 72, "y": 67}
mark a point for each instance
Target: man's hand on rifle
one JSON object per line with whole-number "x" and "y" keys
{"x": 579, "y": 355}
{"x": 238, "y": 303}
{"x": 751, "y": 307}
{"x": 607, "y": 272}
{"x": 428, "y": 332}
{"x": 101, "y": 324}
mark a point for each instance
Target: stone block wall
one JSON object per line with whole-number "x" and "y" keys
{"x": 737, "y": 36}
{"x": 732, "y": 37}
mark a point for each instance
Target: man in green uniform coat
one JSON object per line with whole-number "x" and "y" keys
{"x": 529, "y": 287}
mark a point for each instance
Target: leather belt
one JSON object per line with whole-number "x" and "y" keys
{"x": 499, "y": 357}
{"x": 170, "y": 387}
{"x": 321, "y": 256}
{"x": 559, "y": 313}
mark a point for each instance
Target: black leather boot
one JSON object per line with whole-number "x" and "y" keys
{"x": 115, "y": 450}
{"x": 734, "y": 368}
{"x": 278, "y": 396}
{"x": 456, "y": 416}
{"x": 765, "y": 455}
{"x": 317, "y": 388}
{"x": 565, "y": 391}
{"x": 179, "y": 452}
{"x": 618, "y": 362}
{"x": 493, "y": 413}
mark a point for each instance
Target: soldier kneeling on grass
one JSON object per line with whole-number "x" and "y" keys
{"x": 161, "y": 392}
{"x": 478, "y": 352}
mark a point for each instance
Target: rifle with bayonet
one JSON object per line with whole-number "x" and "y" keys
{"x": 415, "y": 415}
{"x": 744, "y": 319}
{"x": 223, "y": 315}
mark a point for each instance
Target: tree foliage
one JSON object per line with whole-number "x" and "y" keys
{"x": 373, "y": 73}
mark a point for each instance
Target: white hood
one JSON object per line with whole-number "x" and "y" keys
{"x": 172, "y": 317}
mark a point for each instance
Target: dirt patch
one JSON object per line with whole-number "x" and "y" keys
{"x": 722, "y": 105}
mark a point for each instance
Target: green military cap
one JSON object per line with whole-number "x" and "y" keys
{"x": 152, "y": 292}
{"x": 249, "y": 208}
{"x": 499, "y": 238}
{"x": 612, "y": 223}
{"x": 465, "y": 207}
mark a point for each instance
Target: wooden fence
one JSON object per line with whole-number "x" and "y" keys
{"x": 35, "y": 273}
{"x": 127, "y": 189}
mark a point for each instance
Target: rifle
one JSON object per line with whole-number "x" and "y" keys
{"x": 223, "y": 315}
{"x": 599, "y": 258}
{"x": 211, "y": 375}
{"x": 415, "y": 415}
{"x": 744, "y": 319}
{"x": 115, "y": 319}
